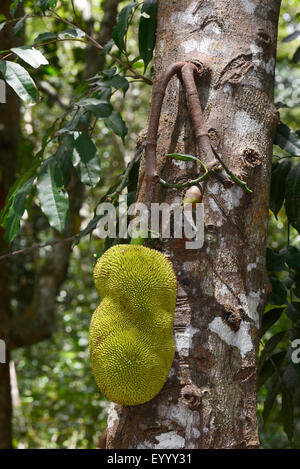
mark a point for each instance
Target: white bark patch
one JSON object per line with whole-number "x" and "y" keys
{"x": 228, "y": 89}
{"x": 179, "y": 415}
{"x": 231, "y": 197}
{"x": 187, "y": 266}
{"x": 215, "y": 188}
{"x": 259, "y": 61}
{"x": 240, "y": 339}
{"x": 244, "y": 124}
{"x": 184, "y": 340}
{"x": 112, "y": 415}
{"x": 169, "y": 440}
{"x": 180, "y": 164}
{"x": 249, "y": 6}
{"x": 214, "y": 207}
{"x": 250, "y": 304}
{"x": 222, "y": 292}
{"x": 251, "y": 266}
{"x": 213, "y": 28}
{"x": 207, "y": 286}
{"x": 206, "y": 46}
{"x": 186, "y": 18}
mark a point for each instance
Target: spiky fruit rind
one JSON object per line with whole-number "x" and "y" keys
{"x": 131, "y": 333}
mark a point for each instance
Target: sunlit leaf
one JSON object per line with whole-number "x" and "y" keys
{"x": 30, "y": 55}
{"x": 20, "y": 80}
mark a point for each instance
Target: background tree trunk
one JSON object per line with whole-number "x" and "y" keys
{"x": 210, "y": 398}
{"x": 9, "y": 138}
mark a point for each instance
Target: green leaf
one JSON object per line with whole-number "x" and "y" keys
{"x": 296, "y": 56}
{"x": 278, "y": 296}
{"x": 291, "y": 256}
{"x": 13, "y": 7}
{"x": 119, "y": 31}
{"x": 118, "y": 82}
{"x": 287, "y": 412}
{"x": 268, "y": 368}
{"x": 86, "y": 159}
{"x": 270, "y": 318}
{"x": 72, "y": 32}
{"x": 274, "y": 390}
{"x": 275, "y": 263}
{"x": 99, "y": 108}
{"x": 19, "y": 25}
{"x": 287, "y": 140}
{"x": 279, "y": 174}
{"x": 64, "y": 156}
{"x": 293, "y": 311}
{"x": 179, "y": 156}
{"x": 17, "y": 208}
{"x": 13, "y": 190}
{"x": 30, "y": 55}
{"x": 291, "y": 37}
{"x": 147, "y": 31}
{"x": 269, "y": 347}
{"x": 108, "y": 46}
{"x": 110, "y": 72}
{"x": 44, "y": 37}
{"x": 45, "y": 4}
{"x": 54, "y": 200}
{"x": 292, "y": 197}
{"x": 115, "y": 123}
{"x": 20, "y": 80}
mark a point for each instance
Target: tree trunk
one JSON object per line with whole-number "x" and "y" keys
{"x": 210, "y": 398}
{"x": 9, "y": 137}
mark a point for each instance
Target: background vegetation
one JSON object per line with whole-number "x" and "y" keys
{"x": 56, "y": 401}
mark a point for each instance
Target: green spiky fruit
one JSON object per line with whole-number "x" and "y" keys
{"x": 131, "y": 333}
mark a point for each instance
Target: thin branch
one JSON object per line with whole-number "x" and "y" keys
{"x": 99, "y": 47}
{"x": 127, "y": 172}
{"x": 39, "y": 246}
{"x": 189, "y": 183}
{"x": 75, "y": 14}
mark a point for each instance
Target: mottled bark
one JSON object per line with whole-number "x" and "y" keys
{"x": 210, "y": 398}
